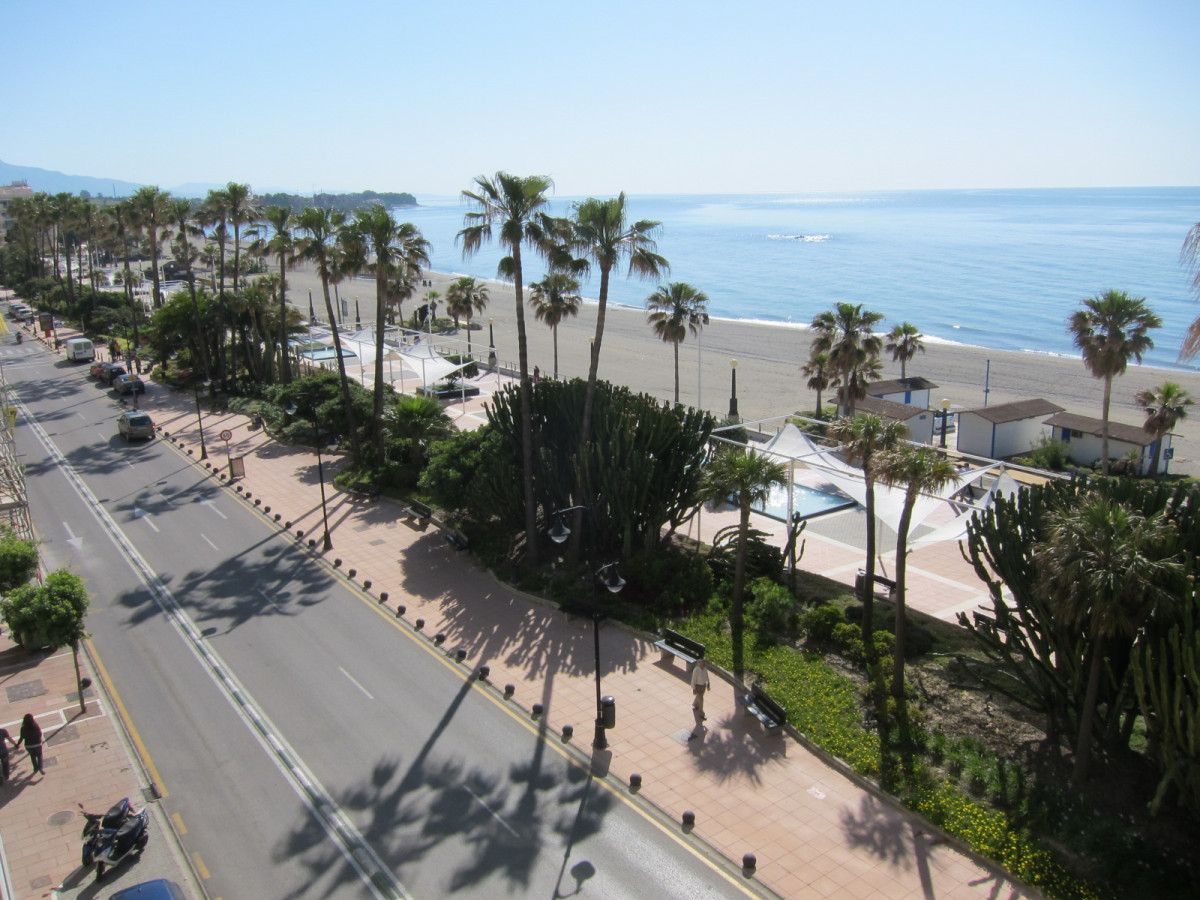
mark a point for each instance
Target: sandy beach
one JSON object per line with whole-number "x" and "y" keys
{"x": 769, "y": 357}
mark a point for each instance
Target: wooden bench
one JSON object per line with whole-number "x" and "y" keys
{"x": 769, "y": 714}
{"x": 675, "y": 644}
{"x": 880, "y": 582}
{"x": 363, "y": 491}
{"x": 987, "y": 623}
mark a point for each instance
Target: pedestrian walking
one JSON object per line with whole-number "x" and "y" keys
{"x": 537, "y": 374}
{"x": 5, "y": 740}
{"x": 700, "y": 687}
{"x": 31, "y": 737}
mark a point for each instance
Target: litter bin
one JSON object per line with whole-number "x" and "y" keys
{"x": 608, "y": 712}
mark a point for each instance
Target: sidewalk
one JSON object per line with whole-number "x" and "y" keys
{"x": 815, "y": 831}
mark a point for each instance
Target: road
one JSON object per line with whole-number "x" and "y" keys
{"x": 307, "y": 745}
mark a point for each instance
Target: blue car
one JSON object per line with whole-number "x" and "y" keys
{"x": 159, "y": 889}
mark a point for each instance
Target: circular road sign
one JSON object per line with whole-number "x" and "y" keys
{"x": 225, "y": 435}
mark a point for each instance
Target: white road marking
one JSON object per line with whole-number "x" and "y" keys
{"x": 491, "y": 811}
{"x": 356, "y": 684}
{"x": 76, "y": 542}
{"x": 267, "y": 597}
{"x": 213, "y": 507}
{"x": 210, "y": 543}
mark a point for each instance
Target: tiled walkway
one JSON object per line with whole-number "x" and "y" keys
{"x": 816, "y": 832}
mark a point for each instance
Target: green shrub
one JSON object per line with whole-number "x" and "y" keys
{"x": 771, "y": 611}
{"x": 670, "y": 583}
{"x": 847, "y": 637}
{"x": 1049, "y": 453}
{"x": 818, "y": 623}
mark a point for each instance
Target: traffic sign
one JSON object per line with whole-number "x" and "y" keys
{"x": 225, "y": 435}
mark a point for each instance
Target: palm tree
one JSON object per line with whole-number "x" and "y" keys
{"x": 1106, "y": 570}
{"x": 240, "y": 209}
{"x": 123, "y": 229}
{"x": 904, "y": 342}
{"x": 553, "y": 299}
{"x": 844, "y": 332}
{"x": 817, "y": 371}
{"x": 321, "y": 230}
{"x": 513, "y": 204}
{"x": 865, "y": 439}
{"x": 1165, "y": 407}
{"x": 1109, "y": 329}
{"x": 464, "y": 298}
{"x": 151, "y": 206}
{"x": 748, "y": 478}
{"x": 1189, "y": 255}
{"x": 398, "y": 249}
{"x": 922, "y": 470}
{"x": 420, "y": 420}
{"x": 281, "y": 244}
{"x": 181, "y": 222}
{"x": 673, "y": 311}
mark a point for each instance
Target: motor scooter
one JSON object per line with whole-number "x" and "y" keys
{"x": 20, "y": 337}
{"x": 110, "y": 837}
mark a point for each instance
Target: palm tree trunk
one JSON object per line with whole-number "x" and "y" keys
{"x": 868, "y": 592}
{"x": 554, "y": 330}
{"x": 585, "y": 428}
{"x": 736, "y": 611}
{"x": 284, "y": 369}
{"x": 675, "y": 344}
{"x": 355, "y": 444}
{"x": 380, "y": 325}
{"x": 1104, "y": 419}
{"x": 1083, "y": 744}
{"x": 531, "y": 535}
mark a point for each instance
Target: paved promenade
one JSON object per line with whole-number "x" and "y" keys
{"x": 816, "y": 832}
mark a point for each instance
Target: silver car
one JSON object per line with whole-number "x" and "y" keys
{"x": 134, "y": 424}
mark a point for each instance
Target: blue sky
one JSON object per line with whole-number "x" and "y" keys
{"x": 667, "y": 97}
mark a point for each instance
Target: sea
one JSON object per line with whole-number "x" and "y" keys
{"x": 1000, "y": 269}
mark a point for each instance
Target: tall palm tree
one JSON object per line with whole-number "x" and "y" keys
{"x": 280, "y": 242}
{"x": 397, "y": 248}
{"x": 513, "y": 205}
{"x": 123, "y": 230}
{"x": 554, "y": 298}
{"x": 818, "y": 371}
{"x": 464, "y": 298}
{"x": 1189, "y": 255}
{"x": 904, "y": 342}
{"x": 1165, "y": 407}
{"x": 321, "y": 230}
{"x": 1107, "y": 570}
{"x": 673, "y": 311}
{"x": 151, "y": 206}
{"x": 181, "y": 222}
{"x": 922, "y": 470}
{"x": 844, "y": 332}
{"x": 1110, "y": 329}
{"x": 748, "y": 478}
{"x": 240, "y": 209}
{"x": 865, "y": 439}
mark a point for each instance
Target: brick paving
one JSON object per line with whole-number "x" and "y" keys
{"x": 816, "y": 830}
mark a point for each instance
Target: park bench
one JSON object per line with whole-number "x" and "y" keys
{"x": 418, "y": 510}
{"x": 675, "y": 644}
{"x": 986, "y": 623}
{"x": 769, "y": 714}
{"x": 887, "y": 584}
{"x": 363, "y": 491}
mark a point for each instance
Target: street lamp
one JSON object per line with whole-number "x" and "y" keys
{"x": 199, "y": 420}
{"x": 945, "y": 420}
{"x": 327, "y": 541}
{"x": 699, "y": 319}
{"x": 612, "y": 580}
{"x": 491, "y": 345}
{"x": 733, "y": 409}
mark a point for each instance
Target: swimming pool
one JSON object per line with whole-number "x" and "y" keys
{"x": 809, "y": 502}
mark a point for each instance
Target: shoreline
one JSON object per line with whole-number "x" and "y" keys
{"x": 769, "y": 357}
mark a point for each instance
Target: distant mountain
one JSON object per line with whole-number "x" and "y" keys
{"x": 56, "y": 182}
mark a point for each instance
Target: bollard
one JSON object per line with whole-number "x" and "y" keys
{"x": 352, "y": 572}
{"x": 277, "y": 515}
{"x": 439, "y": 638}
{"x": 287, "y": 525}
{"x": 567, "y": 732}
{"x": 509, "y": 690}
{"x": 635, "y": 781}
{"x": 537, "y": 710}
{"x": 248, "y": 495}
{"x": 312, "y": 543}
{"x": 484, "y": 672}
{"x": 383, "y": 597}
{"x": 419, "y": 624}
{"x": 367, "y": 585}
{"x": 337, "y": 563}
{"x": 257, "y": 500}
{"x": 689, "y": 819}
{"x": 267, "y": 509}
{"x": 460, "y": 654}
{"x": 749, "y": 862}
{"x": 401, "y": 609}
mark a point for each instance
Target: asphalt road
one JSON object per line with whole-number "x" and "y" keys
{"x": 307, "y": 745}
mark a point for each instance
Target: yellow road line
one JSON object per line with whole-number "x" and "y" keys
{"x": 159, "y": 786}
{"x": 200, "y": 866}
{"x": 180, "y": 828}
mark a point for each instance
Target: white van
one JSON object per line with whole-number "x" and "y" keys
{"x": 80, "y": 350}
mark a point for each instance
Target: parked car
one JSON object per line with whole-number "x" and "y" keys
{"x": 135, "y": 424}
{"x": 98, "y": 367}
{"x": 129, "y": 384}
{"x": 159, "y": 889}
{"x": 110, "y": 372}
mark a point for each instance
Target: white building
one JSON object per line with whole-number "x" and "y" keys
{"x": 918, "y": 420}
{"x": 1082, "y": 435}
{"x": 1004, "y": 430}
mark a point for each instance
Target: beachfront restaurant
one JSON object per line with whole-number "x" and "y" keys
{"x": 1082, "y": 435}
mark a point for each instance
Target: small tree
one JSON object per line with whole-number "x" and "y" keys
{"x": 18, "y": 560}
{"x": 53, "y": 612}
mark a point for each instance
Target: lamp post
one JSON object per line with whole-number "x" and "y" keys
{"x": 611, "y": 579}
{"x": 312, "y": 313}
{"x": 327, "y": 542}
{"x": 733, "y": 408}
{"x": 945, "y": 420}
{"x": 357, "y": 317}
{"x": 491, "y": 345}
{"x": 199, "y": 420}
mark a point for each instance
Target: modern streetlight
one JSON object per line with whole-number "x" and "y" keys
{"x": 733, "y": 408}
{"x": 199, "y": 420}
{"x": 291, "y": 411}
{"x": 612, "y": 580}
{"x": 491, "y": 345}
{"x": 312, "y": 313}
{"x": 945, "y": 420}
{"x": 357, "y": 317}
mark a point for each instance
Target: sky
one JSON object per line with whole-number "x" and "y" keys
{"x": 646, "y": 97}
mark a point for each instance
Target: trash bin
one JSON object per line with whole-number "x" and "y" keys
{"x": 608, "y": 712}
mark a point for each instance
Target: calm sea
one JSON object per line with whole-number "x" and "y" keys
{"x": 1000, "y": 269}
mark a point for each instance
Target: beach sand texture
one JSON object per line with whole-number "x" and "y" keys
{"x": 769, "y": 357}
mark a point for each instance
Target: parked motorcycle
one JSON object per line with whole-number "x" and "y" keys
{"x": 110, "y": 837}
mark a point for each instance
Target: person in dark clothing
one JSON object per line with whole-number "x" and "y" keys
{"x": 31, "y": 737}
{"x": 5, "y": 740}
